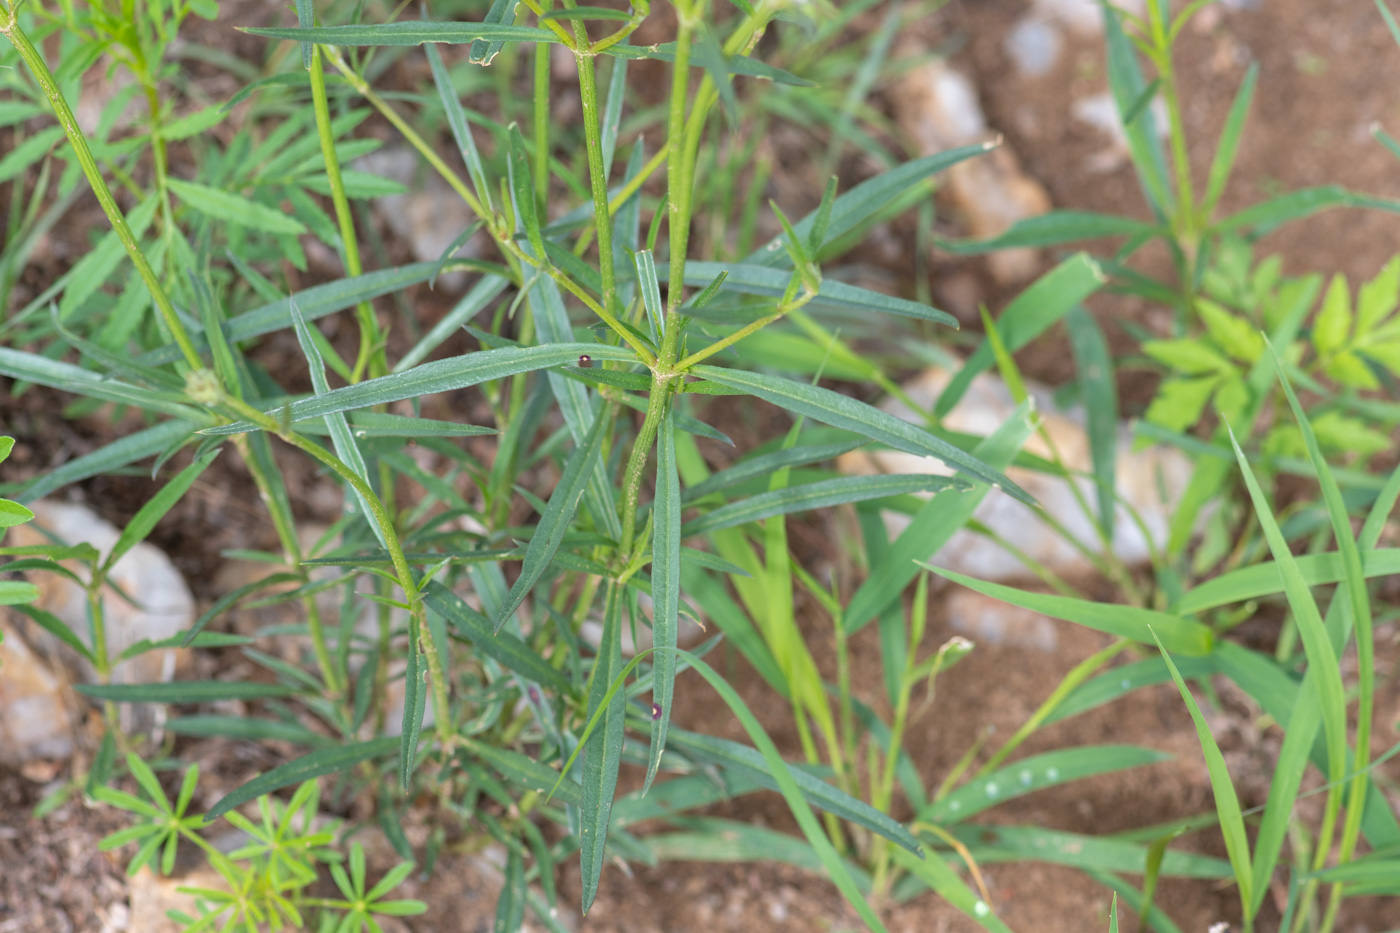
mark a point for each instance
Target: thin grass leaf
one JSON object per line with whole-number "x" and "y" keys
{"x": 991, "y": 845}
{"x": 44, "y": 619}
{"x": 312, "y": 765}
{"x": 461, "y": 130}
{"x": 380, "y": 424}
{"x": 1228, "y": 147}
{"x": 503, "y": 647}
{"x": 818, "y": 495}
{"x": 763, "y": 465}
{"x": 32, "y": 367}
{"x": 736, "y": 64}
{"x": 866, "y": 200}
{"x": 754, "y": 279}
{"x": 1054, "y": 229}
{"x": 109, "y": 458}
{"x": 1036, "y": 773}
{"x": 665, "y": 588}
{"x": 1054, "y": 295}
{"x": 1227, "y": 804}
{"x": 1099, "y": 390}
{"x": 199, "y": 691}
{"x": 433, "y": 377}
{"x": 712, "y": 839}
{"x": 557, "y": 519}
{"x": 1128, "y": 87}
{"x": 21, "y": 157}
{"x": 522, "y": 771}
{"x": 939, "y": 877}
{"x": 840, "y": 411}
{"x": 602, "y": 752}
{"x": 785, "y": 778}
{"x": 234, "y": 209}
{"x": 651, "y": 295}
{"x": 472, "y": 303}
{"x": 407, "y": 32}
{"x": 415, "y": 699}
{"x": 1293, "y": 205}
{"x": 523, "y": 189}
{"x": 248, "y": 727}
{"x": 1145, "y": 626}
{"x": 154, "y": 510}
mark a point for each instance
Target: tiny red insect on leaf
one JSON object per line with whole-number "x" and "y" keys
{"x": 585, "y": 361}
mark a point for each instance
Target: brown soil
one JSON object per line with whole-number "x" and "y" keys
{"x": 1328, "y": 70}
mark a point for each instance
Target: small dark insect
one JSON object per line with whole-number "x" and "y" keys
{"x": 655, "y": 712}
{"x": 585, "y": 361}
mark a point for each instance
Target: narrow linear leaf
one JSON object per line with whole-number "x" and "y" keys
{"x": 200, "y": 691}
{"x": 234, "y": 209}
{"x": 313, "y": 765}
{"x": 665, "y": 587}
{"x": 821, "y": 494}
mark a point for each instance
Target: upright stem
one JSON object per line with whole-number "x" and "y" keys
{"x": 371, "y": 354}
{"x": 9, "y": 26}
{"x": 597, "y": 175}
{"x": 679, "y": 183}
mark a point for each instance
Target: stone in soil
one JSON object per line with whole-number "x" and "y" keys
{"x": 34, "y": 719}
{"x": 1148, "y": 482}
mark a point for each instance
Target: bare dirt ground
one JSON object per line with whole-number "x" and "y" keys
{"x": 1328, "y": 70}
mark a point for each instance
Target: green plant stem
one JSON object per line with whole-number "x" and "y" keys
{"x": 679, "y": 183}
{"x": 724, "y": 343}
{"x": 442, "y": 721}
{"x": 541, "y": 133}
{"x": 597, "y": 175}
{"x": 371, "y": 354}
{"x": 9, "y": 27}
{"x": 637, "y": 461}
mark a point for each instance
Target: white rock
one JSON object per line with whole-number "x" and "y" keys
{"x": 936, "y": 107}
{"x": 1100, "y": 111}
{"x": 990, "y": 621}
{"x": 1082, "y": 17}
{"x": 429, "y": 217}
{"x": 34, "y": 719}
{"x": 1149, "y": 482}
{"x": 153, "y": 895}
{"x": 1033, "y": 45}
{"x": 144, "y": 573}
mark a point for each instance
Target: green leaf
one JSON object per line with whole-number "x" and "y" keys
{"x": 1036, "y": 773}
{"x": 1141, "y": 625}
{"x": 47, "y": 621}
{"x": 737, "y": 64}
{"x": 1190, "y": 356}
{"x": 461, "y": 131}
{"x": 651, "y": 294}
{"x": 1053, "y": 229}
{"x": 32, "y": 367}
{"x": 150, "y": 514}
{"x": 198, "y": 691}
{"x": 602, "y": 752}
{"x": 1227, "y": 804}
{"x": 1378, "y": 298}
{"x": 523, "y": 190}
{"x": 1293, "y": 205}
{"x": 1233, "y": 333}
{"x": 522, "y": 771}
{"x": 482, "y": 51}
{"x": 1050, "y": 298}
{"x": 248, "y": 727}
{"x": 17, "y": 592}
{"x": 24, "y": 155}
{"x": 1228, "y": 146}
{"x": 665, "y": 587}
{"x": 501, "y": 646}
{"x": 192, "y": 124}
{"x": 943, "y": 880}
{"x": 753, "y": 279}
{"x": 820, "y": 494}
{"x": 432, "y": 377}
{"x": 415, "y": 697}
{"x": 314, "y": 303}
{"x": 763, "y": 465}
{"x": 136, "y": 446}
{"x": 786, "y": 781}
{"x": 558, "y": 517}
{"x": 841, "y": 411}
{"x": 865, "y": 200}
{"x": 1333, "y": 323}
{"x": 408, "y": 32}
{"x": 12, "y": 513}
{"x": 234, "y": 209}
{"x": 312, "y": 765}
{"x": 1099, "y": 390}
{"x": 1180, "y": 402}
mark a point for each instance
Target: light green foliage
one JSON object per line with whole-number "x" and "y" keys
{"x": 489, "y": 575}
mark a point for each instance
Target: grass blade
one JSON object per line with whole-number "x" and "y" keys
{"x": 199, "y": 691}
{"x": 461, "y": 131}
{"x": 154, "y": 510}
{"x": 1227, "y": 804}
{"x": 1145, "y": 626}
{"x": 1229, "y": 143}
{"x": 821, "y": 494}
{"x": 503, "y": 647}
{"x": 602, "y": 753}
{"x": 557, "y": 518}
{"x": 840, "y": 411}
{"x": 312, "y": 765}
{"x": 408, "y": 32}
{"x": 432, "y": 377}
{"x": 665, "y": 587}
{"x": 1054, "y": 294}
{"x": 1099, "y": 390}
{"x": 754, "y": 279}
